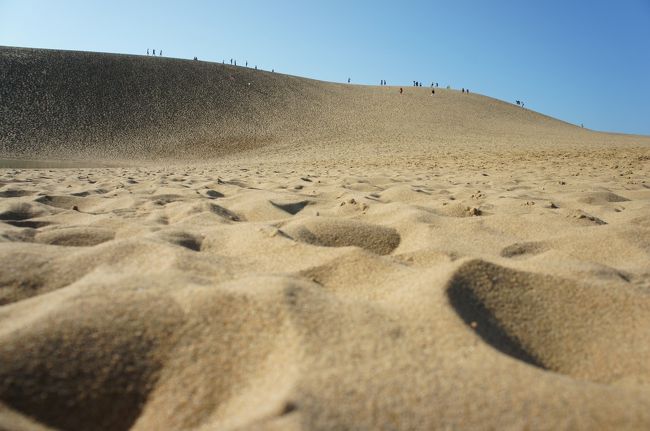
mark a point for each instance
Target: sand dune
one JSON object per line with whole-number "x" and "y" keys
{"x": 79, "y": 105}
{"x": 310, "y": 255}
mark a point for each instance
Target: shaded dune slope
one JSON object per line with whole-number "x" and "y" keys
{"x": 63, "y": 104}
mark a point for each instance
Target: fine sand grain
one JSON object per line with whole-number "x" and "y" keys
{"x": 182, "y": 250}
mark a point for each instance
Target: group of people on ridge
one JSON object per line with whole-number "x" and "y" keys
{"x": 434, "y": 85}
{"x": 234, "y": 63}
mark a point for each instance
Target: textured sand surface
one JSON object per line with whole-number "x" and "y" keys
{"x": 314, "y": 256}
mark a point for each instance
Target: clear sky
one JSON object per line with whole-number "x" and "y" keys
{"x": 583, "y": 61}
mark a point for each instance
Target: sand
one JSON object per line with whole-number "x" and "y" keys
{"x": 314, "y": 256}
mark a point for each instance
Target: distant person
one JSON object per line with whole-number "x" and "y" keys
{"x": 231, "y": 61}
{"x": 467, "y": 90}
{"x": 147, "y": 51}
{"x": 160, "y": 53}
{"x": 256, "y": 67}
{"x": 246, "y": 64}
{"x": 433, "y": 92}
{"x": 195, "y": 58}
{"x": 272, "y": 70}
{"x": 401, "y": 90}
{"x": 235, "y": 62}
{"x": 436, "y": 85}
{"x": 348, "y": 80}
{"x": 462, "y": 90}
{"x": 154, "y": 52}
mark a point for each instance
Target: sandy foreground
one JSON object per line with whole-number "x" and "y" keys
{"x": 429, "y": 280}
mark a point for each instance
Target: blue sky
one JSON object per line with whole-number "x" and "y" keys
{"x": 580, "y": 61}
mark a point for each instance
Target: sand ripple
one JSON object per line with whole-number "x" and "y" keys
{"x": 222, "y": 298}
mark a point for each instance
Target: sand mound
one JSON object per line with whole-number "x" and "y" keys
{"x": 551, "y": 322}
{"x": 522, "y": 250}
{"x": 602, "y": 198}
{"x": 110, "y": 339}
{"x": 75, "y": 236}
{"x": 19, "y": 211}
{"x": 14, "y": 193}
{"x": 343, "y": 233}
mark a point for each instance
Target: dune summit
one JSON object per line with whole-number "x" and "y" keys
{"x": 276, "y": 253}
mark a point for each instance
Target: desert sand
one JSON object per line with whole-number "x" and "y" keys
{"x": 190, "y": 245}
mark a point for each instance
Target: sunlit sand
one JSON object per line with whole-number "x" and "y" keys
{"x": 189, "y": 245}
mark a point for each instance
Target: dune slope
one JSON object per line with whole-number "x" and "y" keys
{"x": 81, "y": 105}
